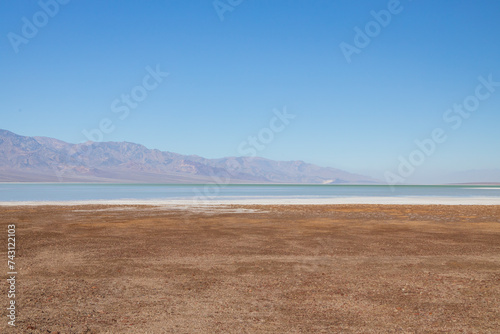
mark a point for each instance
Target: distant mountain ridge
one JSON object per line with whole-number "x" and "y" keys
{"x": 43, "y": 159}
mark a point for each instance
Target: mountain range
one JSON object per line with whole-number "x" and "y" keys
{"x": 43, "y": 159}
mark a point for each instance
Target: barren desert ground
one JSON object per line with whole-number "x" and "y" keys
{"x": 255, "y": 269}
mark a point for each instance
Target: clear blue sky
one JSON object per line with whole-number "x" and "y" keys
{"x": 226, "y": 77}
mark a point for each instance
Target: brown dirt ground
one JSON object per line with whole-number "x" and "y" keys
{"x": 280, "y": 269}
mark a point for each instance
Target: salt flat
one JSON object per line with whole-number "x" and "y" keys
{"x": 416, "y": 200}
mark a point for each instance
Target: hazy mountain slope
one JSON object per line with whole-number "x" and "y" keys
{"x": 46, "y": 159}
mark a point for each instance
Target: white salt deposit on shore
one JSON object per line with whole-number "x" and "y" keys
{"x": 186, "y": 203}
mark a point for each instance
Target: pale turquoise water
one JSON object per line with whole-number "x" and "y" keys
{"x": 75, "y": 192}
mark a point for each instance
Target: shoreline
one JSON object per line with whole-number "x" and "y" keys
{"x": 272, "y": 201}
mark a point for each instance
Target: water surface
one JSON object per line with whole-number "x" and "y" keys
{"x": 86, "y": 191}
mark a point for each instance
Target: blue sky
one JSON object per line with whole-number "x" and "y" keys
{"x": 225, "y": 78}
